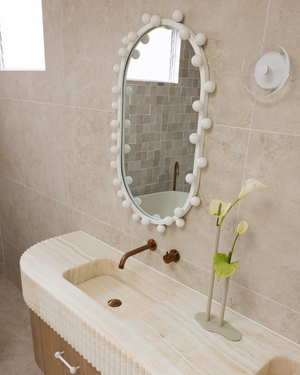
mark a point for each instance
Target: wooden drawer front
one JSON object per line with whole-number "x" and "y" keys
{"x": 53, "y": 343}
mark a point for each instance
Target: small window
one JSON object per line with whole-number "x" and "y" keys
{"x": 158, "y": 59}
{"x": 21, "y": 35}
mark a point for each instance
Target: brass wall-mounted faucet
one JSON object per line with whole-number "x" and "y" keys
{"x": 151, "y": 245}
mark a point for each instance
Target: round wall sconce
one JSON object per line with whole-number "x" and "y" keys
{"x": 265, "y": 69}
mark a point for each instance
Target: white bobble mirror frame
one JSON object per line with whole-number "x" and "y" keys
{"x": 127, "y": 199}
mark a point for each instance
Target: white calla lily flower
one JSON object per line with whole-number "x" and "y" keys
{"x": 242, "y": 227}
{"x": 251, "y": 185}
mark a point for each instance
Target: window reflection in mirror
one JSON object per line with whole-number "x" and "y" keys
{"x": 157, "y": 57}
{"x": 162, "y": 120}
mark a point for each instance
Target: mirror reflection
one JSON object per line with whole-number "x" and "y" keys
{"x": 161, "y": 85}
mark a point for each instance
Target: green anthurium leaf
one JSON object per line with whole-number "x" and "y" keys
{"x": 222, "y": 266}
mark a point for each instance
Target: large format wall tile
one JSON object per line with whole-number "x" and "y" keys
{"x": 47, "y": 217}
{"x": 11, "y": 155}
{"x": 106, "y": 233}
{"x": 44, "y": 86}
{"x": 281, "y": 112}
{"x": 93, "y": 32}
{"x": 44, "y": 149}
{"x": 269, "y": 251}
{"x": 232, "y": 29}
{"x": 13, "y": 213}
{"x": 270, "y": 314}
{"x": 90, "y": 175}
{"x": 12, "y": 263}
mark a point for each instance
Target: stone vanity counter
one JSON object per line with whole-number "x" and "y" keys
{"x": 163, "y": 338}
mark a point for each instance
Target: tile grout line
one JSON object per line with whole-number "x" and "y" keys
{"x": 113, "y": 112}
{"x": 64, "y": 83}
{"x": 267, "y": 16}
{"x": 58, "y": 105}
{"x": 4, "y": 265}
{"x": 257, "y": 130}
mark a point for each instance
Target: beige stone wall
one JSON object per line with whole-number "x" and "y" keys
{"x": 55, "y": 131}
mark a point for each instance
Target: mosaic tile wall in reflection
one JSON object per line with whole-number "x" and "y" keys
{"x": 162, "y": 120}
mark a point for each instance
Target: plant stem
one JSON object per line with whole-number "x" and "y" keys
{"x": 230, "y": 254}
{"x": 234, "y": 203}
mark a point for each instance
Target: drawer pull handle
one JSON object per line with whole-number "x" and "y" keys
{"x": 59, "y": 356}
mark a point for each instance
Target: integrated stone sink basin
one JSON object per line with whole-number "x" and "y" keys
{"x": 281, "y": 366}
{"x": 103, "y": 281}
{"x": 68, "y": 280}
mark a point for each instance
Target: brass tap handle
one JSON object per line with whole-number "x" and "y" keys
{"x": 172, "y": 256}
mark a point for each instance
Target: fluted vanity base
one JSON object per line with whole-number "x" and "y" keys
{"x": 212, "y": 325}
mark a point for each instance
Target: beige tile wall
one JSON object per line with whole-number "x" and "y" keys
{"x": 55, "y": 138}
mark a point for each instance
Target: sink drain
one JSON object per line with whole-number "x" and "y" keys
{"x": 114, "y": 303}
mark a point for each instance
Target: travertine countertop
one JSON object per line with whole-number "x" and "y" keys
{"x": 164, "y": 339}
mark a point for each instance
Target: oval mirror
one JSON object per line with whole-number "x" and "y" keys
{"x": 162, "y": 104}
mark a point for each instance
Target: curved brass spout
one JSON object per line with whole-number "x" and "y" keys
{"x": 176, "y": 173}
{"x": 151, "y": 245}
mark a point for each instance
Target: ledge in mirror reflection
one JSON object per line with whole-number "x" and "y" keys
{"x": 162, "y": 203}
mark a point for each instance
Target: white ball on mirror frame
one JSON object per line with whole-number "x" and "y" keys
{"x": 123, "y": 52}
{"x": 115, "y": 123}
{"x": 114, "y": 136}
{"x": 113, "y": 164}
{"x": 116, "y": 90}
{"x": 184, "y": 34}
{"x": 114, "y": 105}
{"x": 120, "y": 194}
{"x": 135, "y": 54}
{"x": 197, "y": 105}
{"x": 194, "y": 138}
{"x": 189, "y": 178}
{"x": 206, "y": 123}
{"x": 200, "y": 39}
{"x": 168, "y": 220}
{"x": 125, "y": 40}
{"x": 132, "y": 36}
{"x": 138, "y": 201}
{"x": 146, "y": 18}
{"x": 195, "y": 201}
{"x": 126, "y": 204}
{"x": 117, "y": 182}
{"x": 202, "y": 162}
{"x": 180, "y": 223}
{"x": 116, "y": 68}
{"x": 114, "y": 149}
{"x": 127, "y": 123}
{"x": 161, "y": 228}
{"x": 179, "y": 212}
{"x": 197, "y": 61}
{"x": 209, "y": 86}
{"x": 178, "y": 16}
{"x": 128, "y": 90}
{"x": 156, "y": 216}
{"x": 145, "y": 221}
{"x": 129, "y": 180}
{"x": 155, "y": 21}
{"x": 127, "y": 149}
{"x": 145, "y": 39}
{"x": 135, "y": 217}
